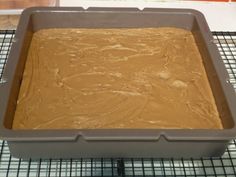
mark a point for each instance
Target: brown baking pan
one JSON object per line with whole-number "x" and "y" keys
{"x": 74, "y": 143}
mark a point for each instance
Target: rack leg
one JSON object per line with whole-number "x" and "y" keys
{"x": 120, "y": 167}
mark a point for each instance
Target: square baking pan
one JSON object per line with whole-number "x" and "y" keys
{"x": 72, "y": 143}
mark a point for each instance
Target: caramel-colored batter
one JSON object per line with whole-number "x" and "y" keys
{"x": 115, "y": 78}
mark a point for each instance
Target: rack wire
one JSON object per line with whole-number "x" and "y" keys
{"x": 222, "y": 166}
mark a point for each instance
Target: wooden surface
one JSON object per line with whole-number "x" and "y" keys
{"x": 8, "y": 21}
{"x": 21, "y": 4}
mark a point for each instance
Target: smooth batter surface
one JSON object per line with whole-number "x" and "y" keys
{"x": 115, "y": 78}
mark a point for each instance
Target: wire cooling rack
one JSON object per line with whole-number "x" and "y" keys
{"x": 223, "y": 166}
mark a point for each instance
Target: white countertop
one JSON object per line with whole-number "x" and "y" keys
{"x": 221, "y": 16}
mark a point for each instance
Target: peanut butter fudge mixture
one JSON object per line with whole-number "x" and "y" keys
{"x": 115, "y": 78}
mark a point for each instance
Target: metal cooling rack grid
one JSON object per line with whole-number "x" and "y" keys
{"x": 210, "y": 167}
{"x": 6, "y": 37}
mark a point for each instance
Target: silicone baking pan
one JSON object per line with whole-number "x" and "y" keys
{"x": 116, "y": 142}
